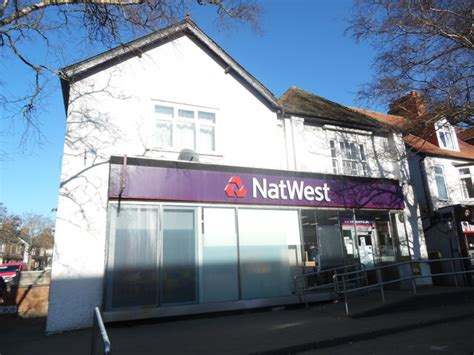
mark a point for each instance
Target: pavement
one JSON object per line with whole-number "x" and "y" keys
{"x": 436, "y": 320}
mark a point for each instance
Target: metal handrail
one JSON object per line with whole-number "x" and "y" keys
{"x": 341, "y": 278}
{"x": 315, "y": 273}
{"x": 98, "y": 324}
{"x": 305, "y": 288}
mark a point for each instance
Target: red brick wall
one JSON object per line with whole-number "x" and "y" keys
{"x": 32, "y": 301}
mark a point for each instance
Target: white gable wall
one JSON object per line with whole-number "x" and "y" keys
{"x": 111, "y": 113}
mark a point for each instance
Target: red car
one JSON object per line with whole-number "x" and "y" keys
{"x": 9, "y": 271}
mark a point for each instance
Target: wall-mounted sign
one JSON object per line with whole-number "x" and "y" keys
{"x": 144, "y": 179}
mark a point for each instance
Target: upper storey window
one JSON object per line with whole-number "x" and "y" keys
{"x": 440, "y": 180}
{"x": 348, "y": 158}
{"x": 185, "y": 127}
{"x": 467, "y": 185}
{"x": 446, "y": 135}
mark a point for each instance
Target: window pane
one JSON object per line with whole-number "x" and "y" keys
{"x": 346, "y": 166}
{"x": 164, "y": 111}
{"x": 219, "y": 270}
{"x": 134, "y": 275}
{"x": 438, "y": 170}
{"x": 164, "y": 136}
{"x": 354, "y": 153}
{"x": 442, "y": 193}
{"x": 355, "y": 170}
{"x": 332, "y": 145}
{"x": 207, "y": 116}
{"x": 268, "y": 244}
{"x": 206, "y": 138}
{"x": 179, "y": 257}
{"x": 335, "y": 166}
{"x": 362, "y": 152}
{"x": 468, "y": 187}
{"x": 185, "y": 135}
{"x": 185, "y": 114}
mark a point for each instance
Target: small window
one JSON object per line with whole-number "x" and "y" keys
{"x": 467, "y": 187}
{"x": 446, "y": 135}
{"x": 180, "y": 127}
{"x": 440, "y": 183}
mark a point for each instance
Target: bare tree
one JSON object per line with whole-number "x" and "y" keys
{"x": 50, "y": 24}
{"x": 422, "y": 45}
{"x": 37, "y": 231}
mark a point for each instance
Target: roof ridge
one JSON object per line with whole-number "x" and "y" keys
{"x": 185, "y": 27}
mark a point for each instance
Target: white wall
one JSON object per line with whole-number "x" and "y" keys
{"x": 111, "y": 113}
{"x": 452, "y": 179}
{"x": 314, "y": 155}
{"x": 386, "y": 158}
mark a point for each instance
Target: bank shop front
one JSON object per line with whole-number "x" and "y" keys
{"x": 187, "y": 238}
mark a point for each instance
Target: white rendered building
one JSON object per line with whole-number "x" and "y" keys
{"x": 187, "y": 187}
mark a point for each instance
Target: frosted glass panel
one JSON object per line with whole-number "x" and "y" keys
{"x": 185, "y": 135}
{"x": 133, "y": 242}
{"x": 269, "y": 252}
{"x": 219, "y": 270}
{"x": 179, "y": 256}
{"x": 207, "y": 116}
{"x": 164, "y": 135}
{"x": 206, "y": 138}
{"x": 164, "y": 111}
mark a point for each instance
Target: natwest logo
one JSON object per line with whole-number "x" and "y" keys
{"x": 289, "y": 190}
{"x": 235, "y": 187}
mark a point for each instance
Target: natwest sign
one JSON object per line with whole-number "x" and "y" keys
{"x": 289, "y": 190}
{"x": 145, "y": 179}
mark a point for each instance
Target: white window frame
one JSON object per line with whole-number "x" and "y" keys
{"x": 435, "y": 174}
{"x": 337, "y": 149}
{"x": 196, "y": 121}
{"x": 443, "y": 127}
{"x": 463, "y": 176}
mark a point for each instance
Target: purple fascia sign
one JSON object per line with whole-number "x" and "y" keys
{"x": 249, "y": 187}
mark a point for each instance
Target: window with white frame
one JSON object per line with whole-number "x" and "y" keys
{"x": 446, "y": 135}
{"x": 179, "y": 127}
{"x": 442, "y": 191}
{"x": 348, "y": 158}
{"x": 467, "y": 187}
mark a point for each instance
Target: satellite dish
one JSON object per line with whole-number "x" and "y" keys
{"x": 188, "y": 155}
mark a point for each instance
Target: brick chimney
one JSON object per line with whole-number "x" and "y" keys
{"x": 410, "y": 106}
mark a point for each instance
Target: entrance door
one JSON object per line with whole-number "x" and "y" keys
{"x": 324, "y": 248}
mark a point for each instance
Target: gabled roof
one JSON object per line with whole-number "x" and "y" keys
{"x": 137, "y": 47}
{"x": 466, "y": 151}
{"x": 299, "y": 102}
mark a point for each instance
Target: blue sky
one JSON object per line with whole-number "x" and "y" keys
{"x": 302, "y": 44}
